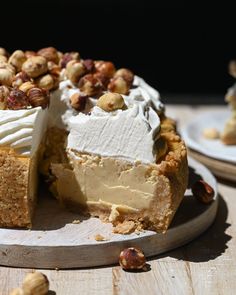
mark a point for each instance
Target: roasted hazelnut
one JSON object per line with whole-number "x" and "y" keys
{"x": 17, "y": 100}
{"x": 50, "y": 53}
{"x": 17, "y": 59}
{"x": 89, "y": 65}
{"x": 3, "y": 58}
{"x": 20, "y": 78}
{"x": 232, "y": 68}
{"x": 102, "y": 78}
{"x": 6, "y": 77}
{"x": 4, "y": 93}
{"x": 3, "y": 52}
{"x": 30, "y": 53}
{"x": 132, "y": 259}
{"x": 68, "y": 57}
{"x": 54, "y": 69}
{"x": 35, "y": 66}
{"x": 75, "y": 70}
{"x": 110, "y": 102}
{"x": 25, "y": 87}
{"x": 126, "y": 74}
{"x": 18, "y": 291}
{"x": 90, "y": 85}
{"x": 105, "y": 67}
{"x": 46, "y": 82}
{"x": 203, "y": 192}
{"x": 7, "y": 66}
{"x": 38, "y": 97}
{"x": 78, "y": 101}
{"x": 118, "y": 85}
{"x": 35, "y": 283}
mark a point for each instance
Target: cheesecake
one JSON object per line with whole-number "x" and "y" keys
{"x": 98, "y": 135}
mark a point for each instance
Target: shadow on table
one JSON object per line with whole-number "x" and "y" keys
{"x": 208, "y": 246}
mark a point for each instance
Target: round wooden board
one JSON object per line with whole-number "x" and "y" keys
{"x": 220, "y": 168}
{"x": 56, "y": 242}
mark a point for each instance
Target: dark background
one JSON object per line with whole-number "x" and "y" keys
{"x": 179, "y": 47}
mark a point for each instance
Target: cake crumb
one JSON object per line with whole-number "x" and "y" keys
{"x": 99, "y": 238}
{"x": 211, "y": 133}
{"x": 57, "y": 269}
{"x": 126, "y": 227}
{"x": 76, "y": 221}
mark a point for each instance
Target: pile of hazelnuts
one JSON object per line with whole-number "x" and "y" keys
{"x": 27, "y": 77}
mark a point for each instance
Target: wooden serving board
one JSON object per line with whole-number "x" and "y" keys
{"x": 220, "y": 168}
{"x": 55, "y": 242}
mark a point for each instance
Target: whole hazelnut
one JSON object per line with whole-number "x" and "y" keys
{"x": 35, "y": 283}
{"x": 38, "y": 97}
{"x": 203, "y": 192}
{"x": 3, "y": 58}
{"x": 126, "y": 74}
{"x": 68, "y": 57}
{"x": 7, "y": 66}
{"x": 6, "y": 77}
{"x": 89, "y": 65}
{"x": 17, "y": 59}
{"x": 102, "y": 78}
{"x": 132, "y": 259}
{"x": 50, "y": 53}
{"x": 4, "y": 93}
{"x": 20, "y": 78}
{"x": 17, "y": 291}
{"x": 17, "y": 100}
{"x": 54, "y": 69}
{"x": 30, "y": 53}
{"x": 90, "y": 85}
{"x": 105, "y": 67}
{"x": 3, "y": 52}
{"x": 110, "y": 102}
{"x": 25, "y": 87}
{"x": 75, "y": 70}
{"x": 119, "y": 85}
{"x": 46, "y": 82}
{"x": 78, "y": 101}
{"x": 35, "y": 66}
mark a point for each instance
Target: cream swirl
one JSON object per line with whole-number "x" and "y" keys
{"x": 22, "y": 129}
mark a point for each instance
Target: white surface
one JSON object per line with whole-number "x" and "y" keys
{"x": 192, "y": 133}
{"x": 56, "y": 242}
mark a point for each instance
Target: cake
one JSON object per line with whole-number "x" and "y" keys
{"x": 104, "y": 145}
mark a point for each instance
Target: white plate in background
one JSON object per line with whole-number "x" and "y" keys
{"x": 192, "y": 134}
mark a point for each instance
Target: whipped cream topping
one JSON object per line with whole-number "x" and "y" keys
{"x": 23, "y": 129}
{"x": 128, "y": 134}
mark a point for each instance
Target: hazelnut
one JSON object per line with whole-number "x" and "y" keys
{"x": 20, "y": 78}
{"x": 3, "y": 58}
{"x": 7, "y": 66}
{"x": 118, "y": 85}
{"x": 4, "y": 93}
{"x": 203, "y": 192}
{"x": 68, "y": 57}
{"x": 78, "y": 101}
{"x": 35, "y": 283}
{"x": 30, "y": 53}
{"x": 25, "y": 87}
{"x": 232, "y": 68}
{"x": 18, "y": 291}
{"x": 38, "y": 97}
{"x": 75, "y": 70}
{"x": 54, "y": 69}
{"x": 132, "y": 259}
{"x": 3, "y": 52}
{"x": 50, "y": 53}
{"x": 110, "y": 102}
{"x": 6, "y": 77}
{"x": 17, "y": 59}
{"x": 126, "y": 74}
{"x": 46, "y": 82}
{"x": 105, "y": 67}
{"x": 35, "y": 66}
{"x": 17, "y": 100}
{"x": 102, "y": 78}
{"x": 90, "y": 85}
{"x": 88, "y": 64}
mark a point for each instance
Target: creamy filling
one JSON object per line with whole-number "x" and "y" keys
{"x": 23, "y": 129}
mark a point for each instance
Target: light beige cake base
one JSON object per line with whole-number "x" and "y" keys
{"x": 18, "y": 185}
{"x": 130, "y": 196}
